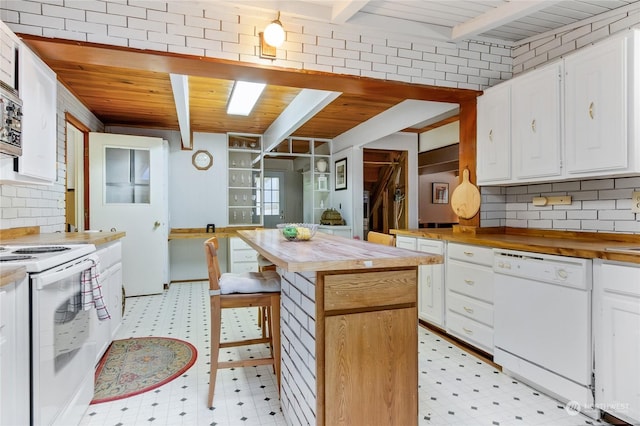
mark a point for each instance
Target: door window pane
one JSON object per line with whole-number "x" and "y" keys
{"x": 271, "y": 196}
{"x": 127, "y": 176}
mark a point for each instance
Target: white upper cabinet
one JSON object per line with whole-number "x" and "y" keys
{"x": 37, "y": 86}
{"x": 535, "y": 123}
{"x": 602, "y": 107}
{"x": 577, "y": 117}
{"x": 9, "y": 48}
{"x": 38, "y": 90}
{"x": 494, "y": 135}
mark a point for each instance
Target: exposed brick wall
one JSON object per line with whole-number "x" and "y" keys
{"x": 218, "y": 31}
{"x": 598, "y": 205}
{"x": 43, "y": 205}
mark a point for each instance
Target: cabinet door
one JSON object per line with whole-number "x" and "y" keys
{"x": 535, "y": 124}
{"x": 38, "y": 90}
{"x": 430, "y": 297}
{"x": 430, "y": 284}
{"x": 617, "y": 339}
{"x": 377, "y": 352}
{"x": 494, "y": 135}
{"x": 596, "y": 108}
{"x": 408, "y": 243}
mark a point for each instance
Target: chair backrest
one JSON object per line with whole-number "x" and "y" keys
{"x": 211, "y": 253}
{"x": 380, "y": 238}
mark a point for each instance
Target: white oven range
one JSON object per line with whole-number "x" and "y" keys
{"x": 62, "y": 349}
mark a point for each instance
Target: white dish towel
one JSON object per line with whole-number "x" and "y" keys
{"x": 91, "y": 290}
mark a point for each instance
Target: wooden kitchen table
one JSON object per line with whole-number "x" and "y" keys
{"x": 349, "y": 327}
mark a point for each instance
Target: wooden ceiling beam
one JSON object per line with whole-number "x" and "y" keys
{"x": 168, "y": 62}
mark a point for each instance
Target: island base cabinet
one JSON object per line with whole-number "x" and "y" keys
{"x": 369, "y": 365}
{"x": 617, "y": 339}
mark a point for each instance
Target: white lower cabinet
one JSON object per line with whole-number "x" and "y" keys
{"x": 110, "y": 256}
{"x": 339, "y": 230}
{"x": 14, "y": 354}
{"x": 430, "y": 279}
{"x": 616, "y": 320}
{"x": 242, "y": 258}
{"x": 470, "y": 293}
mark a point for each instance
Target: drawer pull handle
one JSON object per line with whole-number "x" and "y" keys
{"x": 470, "y": 282}
{"x": 533, "y": 126}
{"x": 428, "y": 281}
{"x": 469, "y": 310}
{"x": 491, "y": 135}
{"x": 468, "y": 253}
{"x": 466, "y": 330}
{"x": 591, "y": 112}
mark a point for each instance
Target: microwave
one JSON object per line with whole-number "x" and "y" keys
{"x": 10, "y": 122}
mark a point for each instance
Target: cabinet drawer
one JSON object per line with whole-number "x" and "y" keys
{"x": 368, "y": 290}
{"x": 471, "y": 308}
{"x": 245, "y": 256}
{"x": 473, "y": 254}
{"x": 430, "y": 246}
{"x": 471, "y": 280}
{"x": 242, "y": 267}
{"x": 238, "y": 243}
{"x": 470, "y": 331}
{"x": 408, "y": 243}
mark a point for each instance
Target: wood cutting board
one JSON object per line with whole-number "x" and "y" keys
{"x": 465, "y": 200}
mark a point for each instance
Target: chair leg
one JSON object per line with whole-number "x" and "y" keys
{"x": 275, "y": 334}
{"x": 216, "y": 321}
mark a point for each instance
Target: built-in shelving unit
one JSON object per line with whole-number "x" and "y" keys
{"x": 245, "y": 179}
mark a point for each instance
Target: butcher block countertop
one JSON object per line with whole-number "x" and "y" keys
{"x": 32, "y": 236}
{"x": 11, "y": 274}
{"x": 325, "y": 252}
{"x": 588, "y": 245}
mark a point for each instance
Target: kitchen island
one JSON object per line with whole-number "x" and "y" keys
{"x": 349, "y": 329}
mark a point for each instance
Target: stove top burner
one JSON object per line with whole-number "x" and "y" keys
{"x": 12, "y": 258}
{"x": 41, "y": 249}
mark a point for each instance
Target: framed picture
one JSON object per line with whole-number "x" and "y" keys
{"x": 440, "y": 193}
{"x": 341, "y": 174}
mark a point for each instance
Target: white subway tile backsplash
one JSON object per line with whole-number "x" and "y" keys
{"x": 614, "y": 194}
{"x": 598, "y": 225}
{"x": 616, "y": 215}
{"x": 628, "y": 226}
{"x": 540, "y": 224}
{"x": 582, "y": 214}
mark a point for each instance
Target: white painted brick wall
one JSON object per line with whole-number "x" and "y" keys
{"x": 602, "y": 205}
{"x": 539, "y": 51}
{"x": 219, "y": 32}
{"x": 43, "y": 205}
{"x": 297, "y": 319}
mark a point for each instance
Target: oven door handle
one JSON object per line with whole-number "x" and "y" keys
{"x": 57, "y": 274}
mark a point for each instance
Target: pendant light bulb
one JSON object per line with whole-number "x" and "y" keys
{"x": 274, "y": 33}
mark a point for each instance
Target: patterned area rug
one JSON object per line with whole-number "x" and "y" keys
{"x": 137, "y": 365}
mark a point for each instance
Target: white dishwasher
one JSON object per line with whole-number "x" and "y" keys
{"x": 542, "y": 327}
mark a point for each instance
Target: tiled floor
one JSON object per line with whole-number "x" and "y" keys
{"x": 456, "y": 388}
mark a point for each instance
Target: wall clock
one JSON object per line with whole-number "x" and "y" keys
{"x": 202, "y": 160}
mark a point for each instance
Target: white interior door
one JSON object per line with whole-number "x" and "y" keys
{"x": 128, "y": 192}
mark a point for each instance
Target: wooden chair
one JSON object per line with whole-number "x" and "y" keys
{"x": 251, "y": 289}
{"x": 380, "y": 238}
